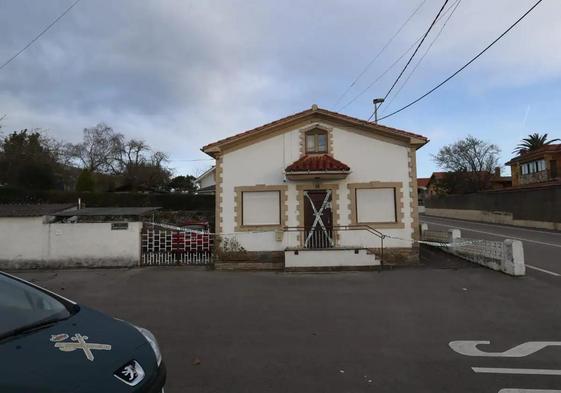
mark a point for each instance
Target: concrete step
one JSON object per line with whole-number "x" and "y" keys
{"x": 253, "y": 266}
{"x": 330, "y": 258}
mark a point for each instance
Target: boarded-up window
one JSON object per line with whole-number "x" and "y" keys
{"x": 375, "y": 205}
{"x": 261, "y": 208}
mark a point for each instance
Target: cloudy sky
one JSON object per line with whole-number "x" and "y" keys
{"x": 181, "y": 74}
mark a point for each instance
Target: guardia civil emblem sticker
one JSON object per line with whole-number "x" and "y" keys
{"x": 78, "y": 343}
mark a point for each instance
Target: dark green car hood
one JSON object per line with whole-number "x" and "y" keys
{"x": 31, "y": 363}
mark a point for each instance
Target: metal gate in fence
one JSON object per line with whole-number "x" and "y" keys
{"x": 160, "y": 246}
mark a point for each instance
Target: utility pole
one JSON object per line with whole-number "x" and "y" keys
{"x": 377, "y": 102}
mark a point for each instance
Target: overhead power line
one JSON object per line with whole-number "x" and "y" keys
{"x": 390, "y": 67}
{"x": 66, "y": 11}
{"x": 191, "y": 160}
{"x": 454, "y": 8}
{"x": 465, "y": 65}
{"x": 414, "y": 53}
{"x": 367, "y": 67}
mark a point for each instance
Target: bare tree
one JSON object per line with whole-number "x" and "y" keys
{"x": 470, "y": 163}
{"x": 107, "y": 152}
{"x": 159, "y": 158}
{"x": 100, "y": 149}
{"x": 132, "y": 153}
{"x": 468, "y": 155}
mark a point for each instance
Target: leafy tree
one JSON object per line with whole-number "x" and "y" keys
{"x": 470, "y": 163}
{"x": 183, "y": 184}
{"x": 26, "y": 161}
{"x": 532, "y": 142}
{"x": 86, "y": 181}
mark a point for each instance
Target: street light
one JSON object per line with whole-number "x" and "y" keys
{"x": 377, "y": 102}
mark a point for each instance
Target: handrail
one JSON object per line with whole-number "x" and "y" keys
{"x": 361, "y": 227}
{"x": 368, "y": 228}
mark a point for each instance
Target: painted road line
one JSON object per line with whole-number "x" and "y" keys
{"x": 528, "y": 391}
{"x": 543, "y": 270}
{"x": 469, "y": 348}
{"x": 507, "y": 227}
{"x": 532, "y": 371}
{"x": 496, "y": 234}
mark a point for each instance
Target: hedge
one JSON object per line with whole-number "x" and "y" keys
{"x": 167, "y": 201}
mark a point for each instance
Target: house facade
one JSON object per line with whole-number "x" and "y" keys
{"x": 206, "y": 183}
{"x": 536, "y": 166}
{"x": 320, "y": 188}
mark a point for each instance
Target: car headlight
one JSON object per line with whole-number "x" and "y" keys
{"x": 153, "y": 342}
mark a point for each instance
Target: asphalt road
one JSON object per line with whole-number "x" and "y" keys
{"x": 333, "y": 332}
{"x": 542, "y": 248}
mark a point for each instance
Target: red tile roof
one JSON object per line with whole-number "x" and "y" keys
{"x": 317, "y": 163}
{"x": 423, "y": 181}
{"x": 319, "y": 111}
{"x": 537, "y": 153}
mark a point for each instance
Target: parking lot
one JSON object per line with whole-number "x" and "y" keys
{"x": 335, "y": 332}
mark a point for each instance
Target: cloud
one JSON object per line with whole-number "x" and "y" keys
{"x": 181, "y": 74}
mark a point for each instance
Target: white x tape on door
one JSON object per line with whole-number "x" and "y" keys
{"x": 317, "y": 218}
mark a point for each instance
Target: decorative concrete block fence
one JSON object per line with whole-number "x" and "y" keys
{"x": 506, "y": 256}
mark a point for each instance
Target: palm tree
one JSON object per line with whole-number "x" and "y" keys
{"x": 533, "y": 142}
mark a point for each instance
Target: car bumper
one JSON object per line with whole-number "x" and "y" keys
{"x": 157, "y": 382}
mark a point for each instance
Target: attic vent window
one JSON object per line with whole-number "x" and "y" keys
{"x": 316, "y": 141}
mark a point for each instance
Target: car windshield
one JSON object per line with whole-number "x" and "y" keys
{"x": 24, "y": 307}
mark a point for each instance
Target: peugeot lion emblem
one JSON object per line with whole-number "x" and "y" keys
{"x": 131, "y": 373}
{"x": 78, "y": 342}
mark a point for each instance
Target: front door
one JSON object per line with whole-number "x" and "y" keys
{"x": 318, "y": 219}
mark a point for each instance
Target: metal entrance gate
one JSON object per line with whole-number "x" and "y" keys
{"x": 318, "y": 220}
{"x": 175, "y": 247}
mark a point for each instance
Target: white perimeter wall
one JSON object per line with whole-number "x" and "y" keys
{"x": 370, "y": 159}
{"x": 28, "y": 242}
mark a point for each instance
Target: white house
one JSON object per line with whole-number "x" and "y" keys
{"x": 205, "y": 182}
{"x": 321, "y": 189}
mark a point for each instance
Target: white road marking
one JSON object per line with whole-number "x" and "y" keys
{"x": 531, "y": 371}
{"x": 469, "y": 348}
{"x": 496, "y": 234}
{"x": 515, "y": 228}
{"x": 543, "y": 270}
{"x": 528, "y": 391}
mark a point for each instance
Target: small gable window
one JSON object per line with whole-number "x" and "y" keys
{"x": 316, "y": 141}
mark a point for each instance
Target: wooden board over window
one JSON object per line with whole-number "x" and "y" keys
{"x": 261, "y": 208}
{"x": 375, "y": 205}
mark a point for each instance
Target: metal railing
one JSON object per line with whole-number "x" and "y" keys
{"x": 318, "y": 238}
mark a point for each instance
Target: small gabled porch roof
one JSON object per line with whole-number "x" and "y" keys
{"x": 317, "y": 166}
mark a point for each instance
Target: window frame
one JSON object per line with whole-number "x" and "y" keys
{"x": 534, "y": 166}
{"x": 260, "y": 191}
{"x": 376, "y": 222}
{"x": 398, "y": 204}
{"x": 316, "y": 132}
{"x": 238, "y": 207}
